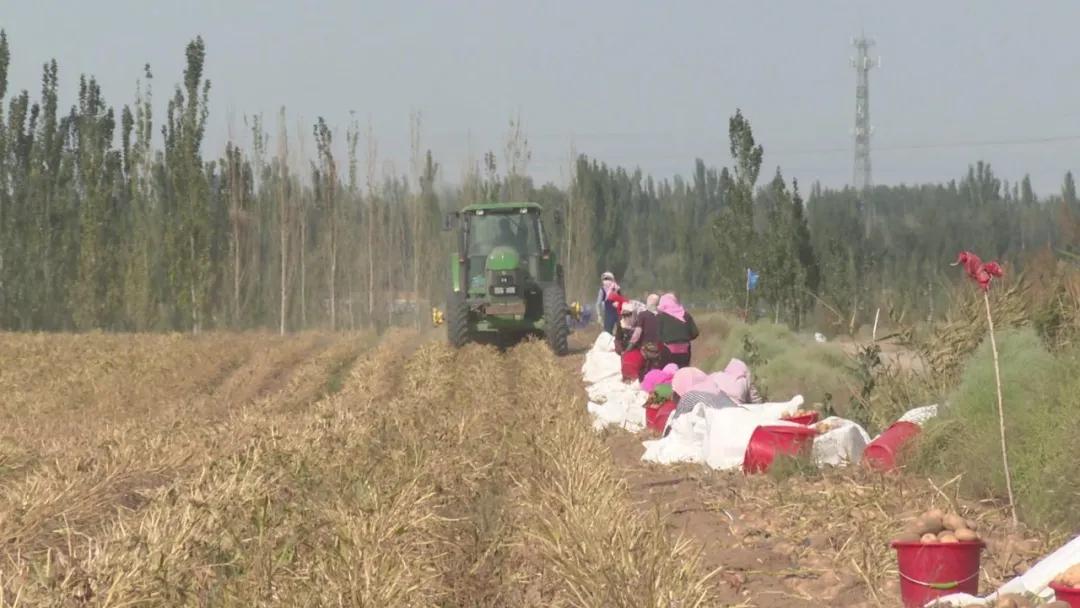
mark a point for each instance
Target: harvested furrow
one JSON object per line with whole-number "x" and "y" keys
{"x": 65, "y": 512}
{"x": 406, "y": 475}
{"x": 584, "y": 542}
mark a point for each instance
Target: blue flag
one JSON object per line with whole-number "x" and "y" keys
{"x": 751, "y": 279}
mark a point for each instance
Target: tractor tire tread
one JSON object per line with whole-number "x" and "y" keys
{"x": 457, "y": 319}
{"x": 556, "y": 326}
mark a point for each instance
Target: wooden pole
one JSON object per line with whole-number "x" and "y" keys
{"x": 876, "y": 315}
{"x": 1001, "y": 410}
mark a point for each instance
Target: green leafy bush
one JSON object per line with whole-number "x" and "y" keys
{"x": 1040, "y": 396}
{"x": 785, "y": 364}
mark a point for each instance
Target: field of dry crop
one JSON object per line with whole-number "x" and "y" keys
{"x": 346, "y": 470}
{"x": 313, "y": 470}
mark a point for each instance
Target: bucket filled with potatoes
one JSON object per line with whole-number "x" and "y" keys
{"x": 1066, "y": 587}
{"x": 937, "y": 526}
{"x": 938, "y": 554}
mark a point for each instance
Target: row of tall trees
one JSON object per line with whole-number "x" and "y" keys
{"x": 837, "y": 257}
{"x": 113, "y": 219}
{"x": 890, "y": 247}
{"x": 701, "y": 236}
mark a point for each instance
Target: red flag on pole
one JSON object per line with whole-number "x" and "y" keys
{"x": 978, "y": 271}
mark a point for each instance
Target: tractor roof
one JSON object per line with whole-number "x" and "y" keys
{"x": 500, "y": 207}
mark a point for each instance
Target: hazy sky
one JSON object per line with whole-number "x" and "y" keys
{"x": 647, "y": 84}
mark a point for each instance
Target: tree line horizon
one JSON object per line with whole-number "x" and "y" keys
{"x": 114, "y": 219}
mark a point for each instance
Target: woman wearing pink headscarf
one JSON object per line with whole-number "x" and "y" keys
{"x": 676, "y": 328}
{"x": 745, "y": 391}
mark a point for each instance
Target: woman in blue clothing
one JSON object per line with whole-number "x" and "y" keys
{"x": 607, "y": 311}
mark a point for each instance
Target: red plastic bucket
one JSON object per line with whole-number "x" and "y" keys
{"x": 805, "y": 419}
{"x": 883, "y": 453}
{"x": 656, "y": 417}
{"x": 769, "y": 441}
{"x": 930, "y": 571}
{"x": 1069, "y": 595}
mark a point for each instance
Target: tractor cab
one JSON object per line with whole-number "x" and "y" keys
{"x": 505, "y": 251}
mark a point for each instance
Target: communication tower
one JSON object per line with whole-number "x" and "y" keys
{"x": 862, "y": 63}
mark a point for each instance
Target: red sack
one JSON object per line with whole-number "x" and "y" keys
{"x": 656, "y": 416}
{"x": 632, "y": 363}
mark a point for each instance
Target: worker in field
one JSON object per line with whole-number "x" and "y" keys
{"x": 628, "y": 343}
{"x": 651, "y": 302}
{"x": 676, "y": 330}
{"x": 607, "y": 308}
{"x": 649, "y": 325}
{"x": 745, "y": 390}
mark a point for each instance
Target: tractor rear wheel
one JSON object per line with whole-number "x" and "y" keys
{"x": 457, "y": 319}
{"x": 556, "y": 326}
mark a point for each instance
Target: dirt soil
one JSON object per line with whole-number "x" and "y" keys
{"x": 892, "y": 354}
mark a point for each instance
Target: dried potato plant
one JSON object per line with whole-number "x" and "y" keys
{"x": 252, "y": 470}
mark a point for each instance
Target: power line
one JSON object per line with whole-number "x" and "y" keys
{"x": 896, "y": 148}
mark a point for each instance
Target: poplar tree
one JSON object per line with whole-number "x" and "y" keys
{"x": 142, "y": 278}
{"x": 517, "y": 155}
{"x": 809, "y": 279}
{"x": 285, "y": 220}
{"x": 325, "y": 181}
{"x": 372, "y": 218}
{"x": 183, "y": 133}
{"x": 239, "y": 186}
{"x": 433, "y": 274}
{"x": 6, "y": 237}
{"x": 354, "y": 216}
{"x": 735, "y": 225}
{"x": 94, "y": 126}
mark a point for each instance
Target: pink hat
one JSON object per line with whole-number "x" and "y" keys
{"x": 729, "y": 385}
{"x": 686, "y": 378}
{"x": 706, "y": 385}
{"x": 653, "y": 378}
{"x": 737, "y": 369}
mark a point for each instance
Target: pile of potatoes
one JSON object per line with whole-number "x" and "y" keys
{"x": 936, "y": 526}
{"x": 1069, "y": 578}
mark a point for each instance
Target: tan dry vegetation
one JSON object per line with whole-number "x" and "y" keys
{"x": 96, "y": 425}
{"x": 801, "y": 538}
{"x": 239, "y": 472}
{"x": 837, "y": 526}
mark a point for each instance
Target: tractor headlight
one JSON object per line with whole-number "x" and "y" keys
{"x": 511, "y": 290}
{"x": 498, "y": 290}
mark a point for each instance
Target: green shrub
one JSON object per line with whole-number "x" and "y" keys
{"x": 1040, "y": 394}
{"x": 785, "y": 364}
{"x": 714, "y": 329}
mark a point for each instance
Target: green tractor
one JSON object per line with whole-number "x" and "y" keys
{"x": 506, "y": 283}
